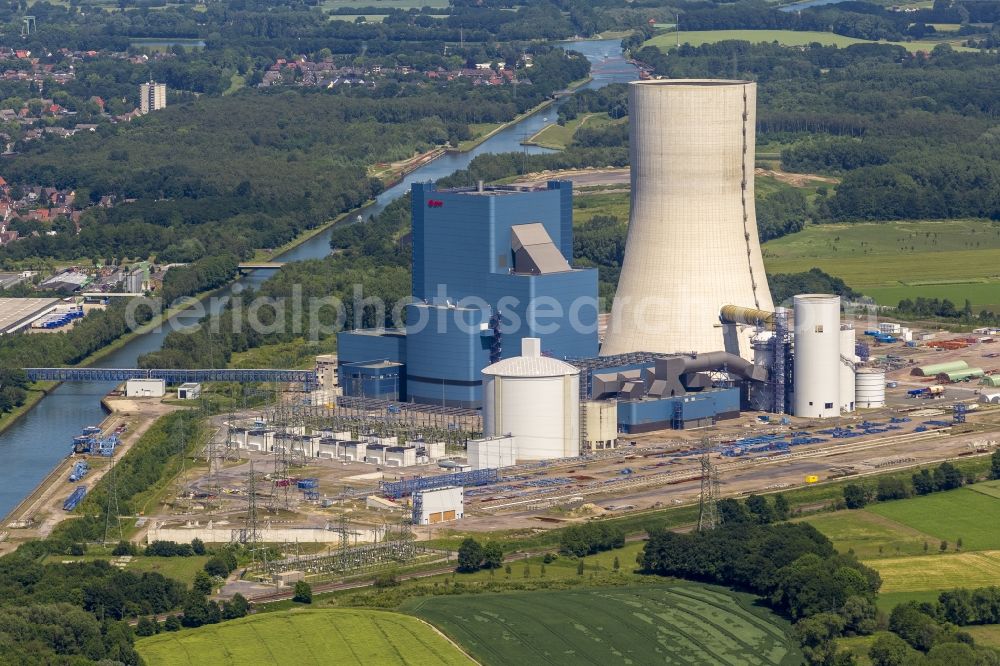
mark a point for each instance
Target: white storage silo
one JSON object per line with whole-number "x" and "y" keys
{"x": 870, "y": 388}
{"x": 847, "y": 337}
{"x": 816, "y": 368}
{"x": 536, "y": 399}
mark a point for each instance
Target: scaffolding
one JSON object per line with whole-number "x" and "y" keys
{"x": 479, "y": 477}
{"x": 780, "y": 374}
{"x": 418, "y": 507}
{"x": 406, "y": 421}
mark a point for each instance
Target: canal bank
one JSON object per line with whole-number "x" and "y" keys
{"x": 40, "y": 511}
{"x": 37, "y": 441}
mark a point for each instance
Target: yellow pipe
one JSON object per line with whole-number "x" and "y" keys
{"x": 737, "y": 314}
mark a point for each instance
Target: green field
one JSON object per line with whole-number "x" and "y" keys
{"x": 587, "y": 206}
{"x": 785, "y": 37}
{"x": 955, "y": 259}
{"x": 351, "y": 18}
{"x": 870, "y": 535}
{"x": 557, "y": 136}
{"x": 328, "y": 5}
{"x": 656, "y": 624}
{"x": 991, "y": 488}
{"x": 957, "y": 514}
{"x": 179, "y": 568}
{"x": 890, "y": 537}
{"x": 987, "y": 634}
{"x": 303, "y": 637}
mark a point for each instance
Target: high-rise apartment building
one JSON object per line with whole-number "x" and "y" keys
{"x": 152, "y": 96}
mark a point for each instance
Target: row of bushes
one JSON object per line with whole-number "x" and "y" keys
{"x": 943, "y": 477}
{"x": 590, "y": 538}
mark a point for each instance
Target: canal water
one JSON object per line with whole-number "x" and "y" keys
{"x": 34, "y": 444}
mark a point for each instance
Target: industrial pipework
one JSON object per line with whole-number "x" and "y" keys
{"x": 737, "y": 314}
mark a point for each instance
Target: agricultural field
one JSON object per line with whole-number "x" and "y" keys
{"x": 987, "y": 634}
{"x": 957, "y": 514}
{"x": 303, "y": 637}
{"x": 352, "y": 18}
{"x": 890, "y": 537}
{"x": 938, "y": 572}
{"x": 991, "y": 488}
{"x": 676, "y": 623}
{"x": 953, "y": 259}
{"x": 785, "y": 37}
{"x": 561, "y": 568}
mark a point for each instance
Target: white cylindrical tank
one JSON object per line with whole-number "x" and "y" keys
{"x": 870, "y": 388}
{"x": 847, "y": 357}
{"x": 816, "y": 368}
{"x": 536, "y": 399}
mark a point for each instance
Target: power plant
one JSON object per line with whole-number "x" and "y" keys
{"x": 692, "y": 243}
{"x": 693, "y": 337}
{"x": 496, "y": 375}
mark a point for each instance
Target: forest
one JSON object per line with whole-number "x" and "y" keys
{"x": 302, "y": 162}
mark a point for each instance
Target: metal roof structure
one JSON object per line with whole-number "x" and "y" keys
{"x": 530, "y": 363}
{"x": 17, "y": 312}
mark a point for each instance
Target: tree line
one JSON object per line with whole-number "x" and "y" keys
{"x": 939, "y": 479}
{"x": 55, "y": 349}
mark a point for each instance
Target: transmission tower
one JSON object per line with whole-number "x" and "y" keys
{"x": 708, "y": 511}
{"x": 280, "y": 478}
{"x": 250, "y": 536}
{"x": 232, "y": 446}
{"x": 112, "y": 502}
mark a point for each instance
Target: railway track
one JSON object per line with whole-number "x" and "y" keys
{"x": 682, "y": 476}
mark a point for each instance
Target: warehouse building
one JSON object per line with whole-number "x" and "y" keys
{"x": 17, "y": 313}
{"x": 145, "y": 388}
{"x": 438, "y": 505}
{"x": 492, "y": 452}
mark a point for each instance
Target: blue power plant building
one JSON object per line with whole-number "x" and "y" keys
{"x": 491, "y": 265}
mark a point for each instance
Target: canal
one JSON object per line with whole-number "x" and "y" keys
{"x": 36, "y": 442}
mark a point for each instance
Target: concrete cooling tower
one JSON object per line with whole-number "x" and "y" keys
{"x": 692, "y": 241}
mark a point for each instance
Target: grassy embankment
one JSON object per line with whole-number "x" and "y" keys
{"x": 36, "y": 391}
{"x": 558, "y": 137}
{"x": 668, "y": 40}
